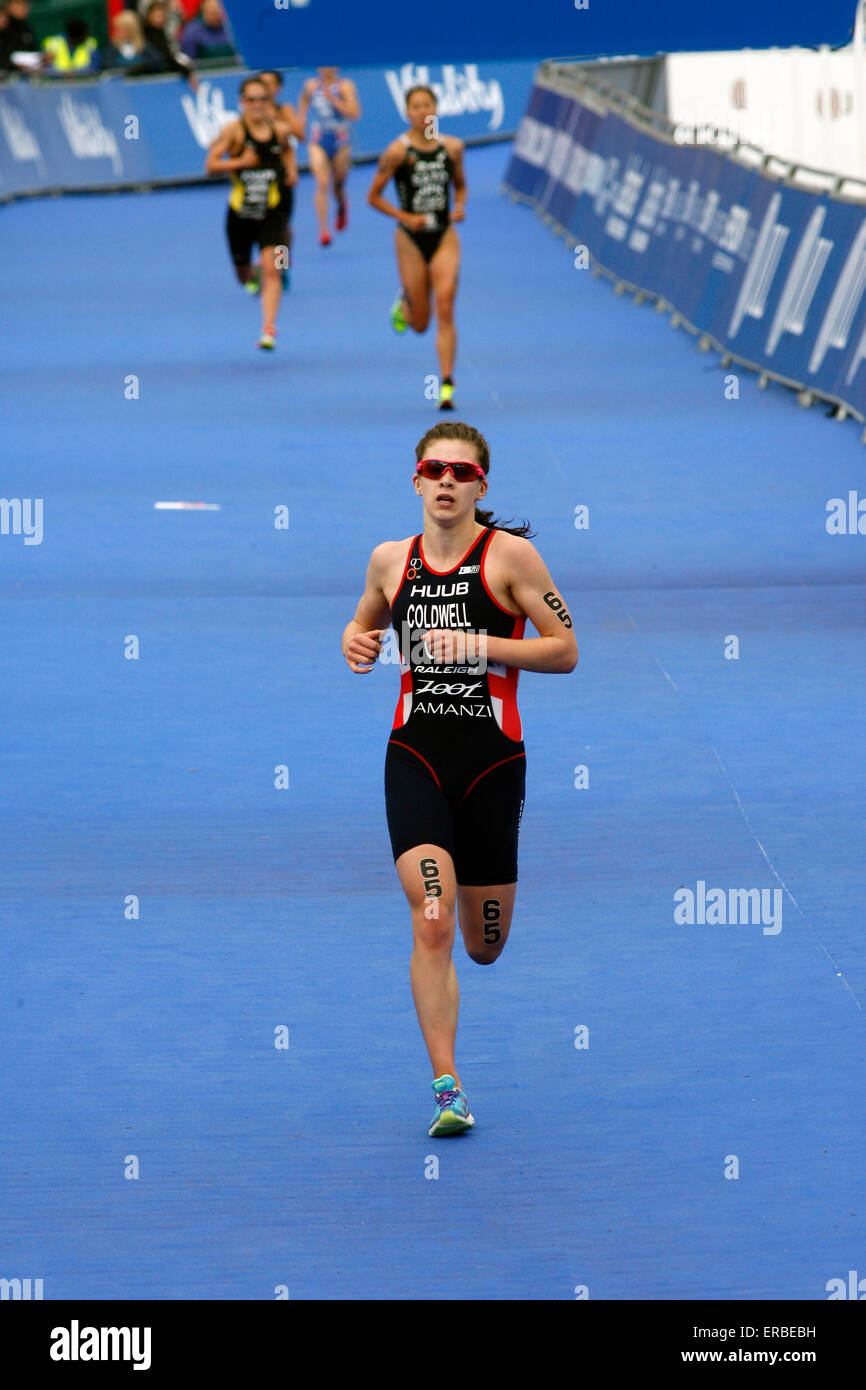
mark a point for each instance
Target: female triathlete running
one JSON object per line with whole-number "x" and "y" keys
{"x": 423, "y": 165}
{"x": 458, "y": 597}
{"x": 284, "y": 111}
{"x": 252, "y": 150}
{"x": 331, "y": 102}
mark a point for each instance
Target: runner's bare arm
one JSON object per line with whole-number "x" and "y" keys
{"x": 293, "y": 120}
{"x": 532, "y": 590}
{"x": 347, "y": 103}
{"x": 223, "y": 155}
{"x": 303, "y": 105}
{"x": 390, "y": 161}
{"x": 455, "y": 148}
{"x": 290, "y": 165}
{"x": 361, "y": 642}
{"x": 219, "y": 147}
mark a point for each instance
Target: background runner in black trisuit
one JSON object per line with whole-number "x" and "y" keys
{"x": 284, "y": 111}
{"x": 252, "y": 150}
{"x": 424, "y": 165}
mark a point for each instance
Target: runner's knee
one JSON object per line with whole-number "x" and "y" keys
{"x": 433, "y": 925}
{"x": 445, "y": 309}
{"x": 431, "y": 894}
{"x": 485, "y": 955}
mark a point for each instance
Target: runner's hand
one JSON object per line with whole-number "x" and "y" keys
{"x": 414, "y": 221}
{"x": 450, "y": 645}
{"x": 362, "y": 650}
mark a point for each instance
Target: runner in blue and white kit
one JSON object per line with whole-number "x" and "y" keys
{"x": 328, "y": 103}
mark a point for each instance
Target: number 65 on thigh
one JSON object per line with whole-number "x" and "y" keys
{"x": 485, "y": 919}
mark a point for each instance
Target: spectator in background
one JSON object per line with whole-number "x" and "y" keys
{"x": 206, "y": 36}
{"x": 155, "y": 35}
{"x": 4, "y": 25}
{"x": 74, "y": 51}
{"x": 128, "y": 49}
{"x": 177, "y": 12}
{"x": 16, "y": 35}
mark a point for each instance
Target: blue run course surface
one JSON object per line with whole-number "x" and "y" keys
{"x": 600, "y": 1166}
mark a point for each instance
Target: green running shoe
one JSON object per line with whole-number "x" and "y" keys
{"x": 446, "y": 396}
{"x": 398, "y": 315}
{"x": 452, "y": 1109}
{"x": 254, "y": 285}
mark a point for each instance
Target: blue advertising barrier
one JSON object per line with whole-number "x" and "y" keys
{"x": 114, "y": 132}
{"x": 373, "y": 32}
{"x": 774, "y": 275}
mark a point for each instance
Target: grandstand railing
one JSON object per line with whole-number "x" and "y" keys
{"x": 610, "y": 87}
{"x": 578, "y": 79}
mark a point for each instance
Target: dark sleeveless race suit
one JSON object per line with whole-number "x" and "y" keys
{"x": 455, "y": 764}
{"x": 259, "y": 201}
{"x": 423, "y": 183}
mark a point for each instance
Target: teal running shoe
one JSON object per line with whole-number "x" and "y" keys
{"x": 452, "y": 1109}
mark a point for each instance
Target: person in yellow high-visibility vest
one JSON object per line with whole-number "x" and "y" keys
{"x": 74, "y": 51}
